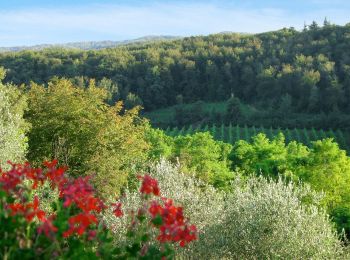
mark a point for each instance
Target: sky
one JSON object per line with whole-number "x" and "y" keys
{"x": 30, "y": 22}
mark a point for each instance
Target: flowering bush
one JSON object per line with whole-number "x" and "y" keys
{"x": 74, "y": 227}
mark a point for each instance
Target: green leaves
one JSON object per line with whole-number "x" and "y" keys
{"x": 198, "y": 154}
{"x": 324, "y": 166}
{"x": 13, "y": 128}
{"x": 75, "y": 126}
{"x": 157, "y": 221}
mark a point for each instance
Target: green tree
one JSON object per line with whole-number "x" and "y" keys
{"x": 285, "y": 106}
{"x": 132, "y": 101}
{"x": 13, "y": 128}
{"x": 200, "y": 154}
{"x": 262, "y": 156}
{"x": 161, "y": 145}
{"x": 197, "y": 154}
{"x": 324, "y": 166}
{"x": 233, "y": 110}
{"x": 75, "y": 126}
{"x": 328, "y": 170}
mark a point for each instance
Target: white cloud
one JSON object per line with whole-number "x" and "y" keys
{"x": 117, "y": 22}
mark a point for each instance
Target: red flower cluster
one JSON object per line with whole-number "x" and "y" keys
{"x": 81, "y": 193}
{"x": 78, "y": 193}
{"x": 171, "y": 223}
{"x": 10, "y": 181}
{"x": 28, "y": 210}
{"x": 79, "y": 223}
{"x": 149, "y": 185}
{"x": 55, "y": 175}
{"x": 47, "y": 227}
{"x": 117, "y": 209}
{"x": 168, "y": 218}
{"x": 78, "y": 196}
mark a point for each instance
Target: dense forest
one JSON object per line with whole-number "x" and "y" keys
{"x": 305, "y": 71}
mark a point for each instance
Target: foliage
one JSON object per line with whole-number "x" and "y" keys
{"x": 191, "y": 113}
{"x": 328, "y": 169}
{"x": 74, "y": 228}
{"x": 13, "y": 128}
{"x": 237, "y": 133}
{"x": 265, "y": 220}
{"x": 197, "y": 154}
{"x": 234, "y": 110}
{"x": 202, "y": 155}
{"x": 161, "y": 145}
{"x": 309, "y": 67}
{"x": 75, "y": 126}
{"x": 261, "y": 155}
{"x": 230, "y": 225}
{"x": 324, "y": 166}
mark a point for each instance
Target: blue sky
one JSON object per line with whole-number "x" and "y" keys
{"x": 29, "y": 22}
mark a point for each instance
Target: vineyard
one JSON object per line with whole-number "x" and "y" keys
{"x": 231, "y": 134}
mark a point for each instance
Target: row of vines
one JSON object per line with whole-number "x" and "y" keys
{"x": 231, "y": 133}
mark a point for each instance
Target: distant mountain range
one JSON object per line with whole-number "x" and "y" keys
{"x": 91, "y": 45}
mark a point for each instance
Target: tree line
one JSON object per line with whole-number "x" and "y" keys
{"x": 304, "y": 71}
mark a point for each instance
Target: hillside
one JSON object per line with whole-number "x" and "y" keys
{"x": 89, "y": 45}
{"x": 290, "y": 72}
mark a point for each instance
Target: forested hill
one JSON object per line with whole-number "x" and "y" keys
{"x": 89, "y": 45}
{"x": 308, "y": 70}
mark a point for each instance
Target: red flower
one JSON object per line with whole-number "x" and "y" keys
{"x": 16, "y": 208}
{"x": 172, "y": 226}
{"x": 155, "y": 209}
{"x": 117, "y": 211}
{"x": 10, "y": 179}
{"x": 56, "y": 176}
{"x": 79, "y": 223}
{"x": 28, "y": 210}
{"x": 51, "y": 164}
{"x": 47, "y": 227}
{"x": 149, "y": 185}
{"x": 81, "y": 193}
{"x": 32, "y": 210}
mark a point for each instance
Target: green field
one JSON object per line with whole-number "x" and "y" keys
{"x": 231, "y": 134}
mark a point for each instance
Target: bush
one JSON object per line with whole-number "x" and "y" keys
{"x": 259, "y": 219}
{"x": 265, "y": 219}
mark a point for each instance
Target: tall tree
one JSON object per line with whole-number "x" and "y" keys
{"x": 75, "y": 126}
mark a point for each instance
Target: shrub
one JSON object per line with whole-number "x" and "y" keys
{"x": 259, "y": 219}
{"x": 266, "y": 219}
